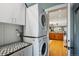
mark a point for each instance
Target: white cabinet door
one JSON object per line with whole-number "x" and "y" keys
{"x": 13, "y": 13}
{"x": 19, "y": 14}
{"x": 5, "y": 12}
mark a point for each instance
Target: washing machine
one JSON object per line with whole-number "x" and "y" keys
{"x": 43, "y": 47}
{"x": 39, "y": 45}
{"x": 36, "y": 21}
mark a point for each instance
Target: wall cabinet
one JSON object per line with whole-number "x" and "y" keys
{"x": 12, "y": 13}
{"x": 5, "y": 12}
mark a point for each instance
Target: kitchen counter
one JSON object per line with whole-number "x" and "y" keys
{"x": 56, "y": 35}
{"x": 12, "y": 48}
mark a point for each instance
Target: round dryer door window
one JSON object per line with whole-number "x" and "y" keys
{"x": 43, "y": 49}
{"x": 43, "y": 20}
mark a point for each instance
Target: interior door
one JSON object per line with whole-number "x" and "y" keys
{"x": 76, "y": 30}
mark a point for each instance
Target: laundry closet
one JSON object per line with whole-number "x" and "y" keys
{"x": 12, "y": 20}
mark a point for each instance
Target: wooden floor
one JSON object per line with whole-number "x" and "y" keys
{"x": 56, "y": 48}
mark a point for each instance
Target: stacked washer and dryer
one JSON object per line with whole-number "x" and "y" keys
{"x": 35, "y": 31}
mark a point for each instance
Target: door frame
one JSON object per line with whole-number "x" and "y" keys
{"x": 68, "y": 5}
{"x": 68, "y": 29}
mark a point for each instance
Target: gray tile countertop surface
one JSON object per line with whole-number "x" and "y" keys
{"x": 14, "y": 47}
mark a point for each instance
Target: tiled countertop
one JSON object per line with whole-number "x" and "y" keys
{"x": 12, "y": 48}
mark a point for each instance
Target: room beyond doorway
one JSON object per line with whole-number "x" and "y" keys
{"x": 58, "y": 30}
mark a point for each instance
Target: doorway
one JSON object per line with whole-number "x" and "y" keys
{"x": 58, "y": 30}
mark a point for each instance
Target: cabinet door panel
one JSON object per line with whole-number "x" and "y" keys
{"x": 12, "y": 13}
{"x": 52, "y": 36}
{"x": 19, "y": 14}
{"x": 6, "y": 12}
{"x": 59, "y": 36}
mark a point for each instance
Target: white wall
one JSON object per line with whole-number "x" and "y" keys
{"x": 8, "y": 33}
{"x": 58, "y": 16}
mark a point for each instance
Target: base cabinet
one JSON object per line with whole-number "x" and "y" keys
{"x": 51, "y": 36}
{"x": 56, "y": 36}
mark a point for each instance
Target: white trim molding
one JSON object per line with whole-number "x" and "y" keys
{"x": 68, "y": 34}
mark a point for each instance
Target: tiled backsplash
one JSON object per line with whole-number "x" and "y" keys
{"x": 8, "y": 33}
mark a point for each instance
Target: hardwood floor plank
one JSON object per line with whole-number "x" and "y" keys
{"x": 56, "y": 48}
